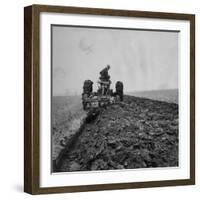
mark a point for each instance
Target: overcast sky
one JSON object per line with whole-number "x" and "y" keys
{"x": 142, "y": 60}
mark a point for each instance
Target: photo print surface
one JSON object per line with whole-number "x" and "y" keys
{"x": 114, "y": 99}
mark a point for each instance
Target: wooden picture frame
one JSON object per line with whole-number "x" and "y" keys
{"x": 32, "y": 93}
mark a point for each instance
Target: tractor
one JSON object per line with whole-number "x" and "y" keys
{"x": 104, "y": 95}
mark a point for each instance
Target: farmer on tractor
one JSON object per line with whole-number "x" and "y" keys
{"x": 104, "y": 95}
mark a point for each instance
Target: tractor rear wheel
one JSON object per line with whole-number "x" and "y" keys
{"x": 119, "y": 90}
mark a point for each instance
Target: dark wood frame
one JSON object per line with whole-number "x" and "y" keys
{"x": 32, "y": 106}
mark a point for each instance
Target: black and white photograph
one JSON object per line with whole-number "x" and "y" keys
{"x": 114, "y": 98}
{"x": 109, "y": 99}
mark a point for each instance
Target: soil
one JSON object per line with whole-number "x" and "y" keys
{"x": 136, "y": 133}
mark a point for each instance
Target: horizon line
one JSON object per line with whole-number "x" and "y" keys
{"x": 125, "y": 92}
